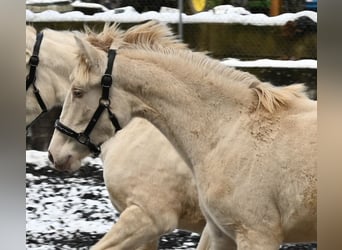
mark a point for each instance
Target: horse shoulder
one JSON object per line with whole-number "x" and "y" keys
{"x": 139, "y": 161}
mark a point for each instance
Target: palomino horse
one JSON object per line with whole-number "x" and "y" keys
{"x": 48, "y": 77}
{"x": 131, "y": 177}
{"x": 251, "y": 146}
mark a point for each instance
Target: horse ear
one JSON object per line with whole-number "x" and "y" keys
{"x": 87, "y": 51}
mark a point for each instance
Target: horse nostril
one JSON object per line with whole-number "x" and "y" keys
{"x": 50, "y": 157}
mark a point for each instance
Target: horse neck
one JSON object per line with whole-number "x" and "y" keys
{"x": 57, "y": 59}
{"x": 187, "y": 109}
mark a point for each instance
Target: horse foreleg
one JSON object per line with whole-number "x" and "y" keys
{"x": 213, "y": 239}
{"x": 204, "y": 243}
{"x": 150, "y": 246}
{"x": 257, "y": 241}
{"x": 134, "y": 230}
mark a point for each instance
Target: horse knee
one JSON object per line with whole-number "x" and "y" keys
{"x": 257, "y": 241}
{"x": 134, "y": 229}
{"x": 166, "y": 222}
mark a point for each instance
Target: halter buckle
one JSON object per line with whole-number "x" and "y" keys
{"x": 34, "y": 60}
{"x": 104, "y": 102}
{"x": 35, "y": 90}
{"x": 96, "y": 152}
{"x": 83, "y": 139}
{"x": 106, "y": 80}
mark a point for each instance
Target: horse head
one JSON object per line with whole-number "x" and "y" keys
{"x": 87, "y": 92}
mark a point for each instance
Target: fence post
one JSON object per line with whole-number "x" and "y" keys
{"x": 180, "y": 22}
{"x": 275, "y": 7}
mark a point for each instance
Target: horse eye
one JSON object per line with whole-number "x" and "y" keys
{"x": 77, "y": 93}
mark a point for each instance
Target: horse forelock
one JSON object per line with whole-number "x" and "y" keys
{"x": 82, "y": 71}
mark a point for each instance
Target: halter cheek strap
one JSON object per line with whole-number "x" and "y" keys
{"x": 104, "y": 103}
{"x": 31, "y": 77}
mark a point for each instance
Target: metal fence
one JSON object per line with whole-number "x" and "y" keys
{"x": 295, "y": 39}
{"x": 195, "y": 6}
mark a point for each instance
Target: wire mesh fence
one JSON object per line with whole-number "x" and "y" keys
{"x": 296, "y": 39}
{"x": 195, "y": 6}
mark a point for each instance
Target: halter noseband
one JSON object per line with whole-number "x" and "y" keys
{"x": 31, "y": 77}
{"x": 104, "y": 103}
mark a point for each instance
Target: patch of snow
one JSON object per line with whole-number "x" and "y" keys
{"x": 229, "y": 9}
{"x": 39, "y": 158}
{"x": 269, "y": 63}
{"x": 127, "y": 9}
{"x": 80, "y": 4}
{"x": 59, "y": 207}
{"x": 164, "y": 9}
{"x": 47, "y": 1}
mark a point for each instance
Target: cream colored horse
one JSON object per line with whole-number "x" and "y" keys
{"x": 151, "y": 166}
{"x": 53, "y": 70}
{"x": 251, "y": 146}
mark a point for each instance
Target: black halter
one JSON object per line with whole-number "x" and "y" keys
{"x": 104, "y": 103}
{"x": 31, "y": 77}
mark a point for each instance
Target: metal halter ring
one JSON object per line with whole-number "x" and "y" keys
{"x": 83, "y": 139}
{"x": 35, "y": 90}
{"x": 104, "y": 102}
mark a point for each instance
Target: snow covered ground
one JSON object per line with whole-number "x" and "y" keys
{"x": 47, "y": 1}
{"x": 73, "y": 212}
{"x": 268, "y": 63}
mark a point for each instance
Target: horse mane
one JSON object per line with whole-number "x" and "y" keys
{"x": 150, "y": 35}
{"x": 157, "y": 38}
{"x": 30, "y": 28}
{"x": 271, "y": 97}
{"x": 30, "y": 34}
{"x": 103, "y": 40}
